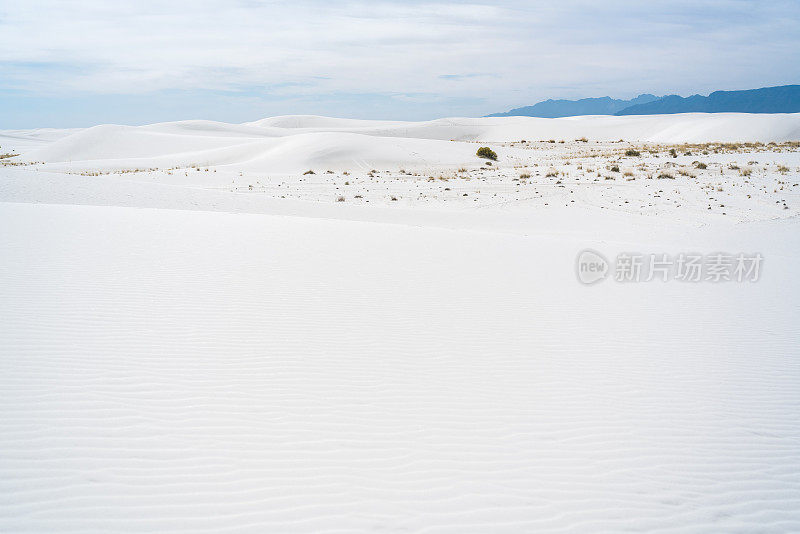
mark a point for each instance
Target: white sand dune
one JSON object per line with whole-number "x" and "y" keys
{"x": 294, "y": 143}
{"x": 206, "y": 350}
{"x": 174, "y": 371}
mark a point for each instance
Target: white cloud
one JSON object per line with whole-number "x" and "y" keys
{"x": 524, "y": 50}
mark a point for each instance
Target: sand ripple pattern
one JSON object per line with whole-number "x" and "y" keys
{"x": 206, "y": 372}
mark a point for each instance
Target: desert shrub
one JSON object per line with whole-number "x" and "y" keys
{"x": 309, "y": 172}
{"x": 524, "y": 176}
{"x": 614, "y": 168}
{"x": 700, "y": 165}
{"x": 783, "y": 169}
{"x": 340, "y": 199}
{"x": 633, "y": 153}
{"x": 673, "y": 153}
{"x": 665, "y": 176}
{"x": 486, "y": 152}
{"x": 746, "y": 172}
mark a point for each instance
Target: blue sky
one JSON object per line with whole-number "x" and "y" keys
{"x": 78, "y": 63}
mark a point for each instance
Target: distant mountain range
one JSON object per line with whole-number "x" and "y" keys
{"x": 569, "y": 108}
{"x": 783, "y": 99}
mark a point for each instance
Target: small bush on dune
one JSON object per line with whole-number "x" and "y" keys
{"x": 309, "y": 172}
{"x": 486, "y": 152}
{"x": 632, "y": 153}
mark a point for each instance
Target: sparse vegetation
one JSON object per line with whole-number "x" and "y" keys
{"x": 633, "y": 153}
{"x": 487, "y": 153}
{"x": 309, "y": 172}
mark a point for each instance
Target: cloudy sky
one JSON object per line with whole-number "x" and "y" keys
{"x": 78, "y": 63}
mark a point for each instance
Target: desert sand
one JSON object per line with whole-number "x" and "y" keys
{"x": 197, "y": 334}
